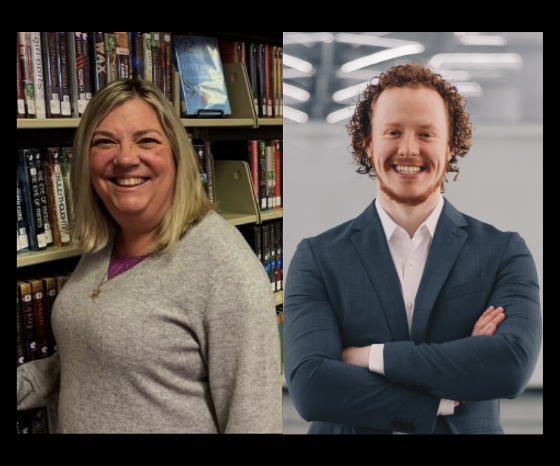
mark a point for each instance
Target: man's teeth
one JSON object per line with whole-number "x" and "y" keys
{"x": 130, "y": 181}
{"x": 407, "y": 169}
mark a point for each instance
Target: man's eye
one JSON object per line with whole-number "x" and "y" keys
{"x": 426, "y": 135}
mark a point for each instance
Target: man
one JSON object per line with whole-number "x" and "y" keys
{"x": 411, "y": 318}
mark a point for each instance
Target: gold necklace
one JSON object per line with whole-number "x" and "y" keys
{"x": 97, "y": 291}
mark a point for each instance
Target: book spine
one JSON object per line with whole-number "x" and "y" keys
{"x": 262, "y": 175}
{"x": 268, "y": 66}
{"x": 270, "y": 181}
{"x": 156, "y": 64}
{"x": 65, "y": 81}
{"x": 147, "y": 54}
{"x": 22, "y": 238}
{"x": 210, "y": 170}
{"x": 83, "y": 77}
{"x": 52, "y": 74}
{"x": 51, "y": 292}
{"x": 43, "y": 197}
{"x": 39, "y": 317}
{"x": 123, "y": 55}
{"x": 262, "y": 80}
{"x": 99, "y": 55}
{"x": 27, "y": 68}
{"x": 57, "y": 195}
{"x": 253, "y": 76}
{"x": 38, "y": 76}
{"x": 167, "y": 66}
{"x": 278, "y": 174}
{"x": 20, "y": 84}
{"x": 254, "y": 166}
{"x": 280, "y": 90}
{"x": 20, "y": 337}
{"x": 28, "y": 320}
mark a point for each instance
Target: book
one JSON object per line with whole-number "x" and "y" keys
{"x": 51, "y": 69}
{"x": 27, "y": 73}
{"x": 20, "y": 85}
{"x": 202, "y": 83}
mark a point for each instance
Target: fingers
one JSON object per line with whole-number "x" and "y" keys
{"x": 489, "y": 321}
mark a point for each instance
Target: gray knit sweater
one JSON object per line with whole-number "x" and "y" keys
{"x": 179, "y": 343}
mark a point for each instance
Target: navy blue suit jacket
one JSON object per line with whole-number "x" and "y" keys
{"x": 342, "y": 290}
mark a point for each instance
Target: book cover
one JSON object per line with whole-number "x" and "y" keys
{"x": 203, "y": 87}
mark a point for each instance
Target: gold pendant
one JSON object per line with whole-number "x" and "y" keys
{"x": 96, "y": 293}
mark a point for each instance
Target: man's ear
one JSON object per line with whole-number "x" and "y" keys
{"x": 367, "y": 145}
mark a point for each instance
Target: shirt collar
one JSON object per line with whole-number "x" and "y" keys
{"x": 389, "y": 225}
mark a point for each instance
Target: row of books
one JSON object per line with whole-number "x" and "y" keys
{"x": 58, "y": 72}
{"x": 35, "y": 340}
{"x": 264, "y": 67}
{"x": 265, "y": 158}
{"x": 43, "y": 198}
{"x": 266, "y": 240}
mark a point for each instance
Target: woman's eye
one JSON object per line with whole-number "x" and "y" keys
{"x": 103, "y": 143}
{"x": 148, "y": 141}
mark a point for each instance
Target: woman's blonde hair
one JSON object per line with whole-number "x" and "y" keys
{"x": 93, "y": 226}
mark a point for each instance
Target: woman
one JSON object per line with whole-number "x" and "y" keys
{"x": 167, "y": 323}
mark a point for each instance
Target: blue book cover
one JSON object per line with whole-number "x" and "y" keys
{"x": 203, "y": 87}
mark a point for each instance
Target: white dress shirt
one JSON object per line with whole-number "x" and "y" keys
{"x": 409, "y": 256}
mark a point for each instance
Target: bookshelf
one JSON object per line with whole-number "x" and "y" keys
{"x": 233, "y": 186}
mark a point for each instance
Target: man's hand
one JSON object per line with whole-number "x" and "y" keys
{"x": 489, "y": 321}
{"x": 487, "y": 325}
{"x": 356, "y": 356}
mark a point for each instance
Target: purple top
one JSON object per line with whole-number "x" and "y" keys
{"x": 120, "y": 263}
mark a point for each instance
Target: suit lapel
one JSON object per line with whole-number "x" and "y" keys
{"x": 373, "y": 250}
{"x": 446, "y": 245}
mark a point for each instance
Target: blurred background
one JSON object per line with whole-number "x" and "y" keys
{"x": 501, "y": 182}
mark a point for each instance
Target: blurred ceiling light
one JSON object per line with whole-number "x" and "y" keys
{"x": 477, "y": 60}
{"x": 343, "y": 114}
{"x": 452, "y": 75}
{"x": 358, "y": 74}
{"x": 352, "y": 91}
{"x": 295, "y": 115}
{"x": 469, "y": 88}
{"x": 483, "y": 40}
{"x": 371, "y": 40}
{"x": 295, "y": 92}
{"x": 293, "y": 74}
{"x": 305, "y": 38}
{"x": 296, "y": 63}
{"x": 382, "y": 56}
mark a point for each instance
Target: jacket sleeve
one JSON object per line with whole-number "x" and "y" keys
{"x": 322, "y": 387}
{"x": 37, "y": 382}
{"x": 482, "y": 367}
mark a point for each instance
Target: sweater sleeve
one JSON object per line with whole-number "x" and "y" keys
{"x": 243, "y": 347}
{"x": 37, "y": 382}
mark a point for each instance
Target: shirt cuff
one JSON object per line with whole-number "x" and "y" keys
{"x": 446, "y": 407}
{"x": 376, "y": 358}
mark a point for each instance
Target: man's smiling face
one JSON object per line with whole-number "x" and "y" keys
{"x": 409, "y": 145}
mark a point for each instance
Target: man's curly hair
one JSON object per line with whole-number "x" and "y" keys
{"x": 360, "y": 126}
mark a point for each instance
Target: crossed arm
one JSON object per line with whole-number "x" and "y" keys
{"x": 325, "y": 388}
{"x": 486, "y": 325}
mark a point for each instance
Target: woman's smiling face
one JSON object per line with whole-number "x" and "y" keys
{"x": 132, "y": 165}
